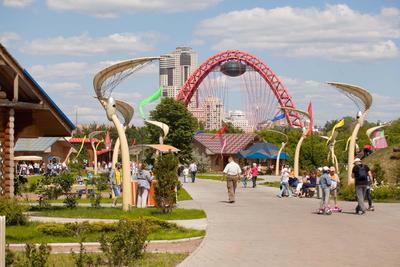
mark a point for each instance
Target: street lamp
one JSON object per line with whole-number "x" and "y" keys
{"x": 355, "y": 93}
{"x": 280, "y": 150}
{"x": 303, "y": 136}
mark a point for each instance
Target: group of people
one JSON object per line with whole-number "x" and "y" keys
{"x": 35, "y": 168}
{"x": 326, "y": 177}
{"x": 141, "y": 172}
{"x": 184, "y": 170}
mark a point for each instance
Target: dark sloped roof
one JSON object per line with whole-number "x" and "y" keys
{"x": 234, "y": 142}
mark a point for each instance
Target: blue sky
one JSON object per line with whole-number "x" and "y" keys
{"x": 63, "y": 43}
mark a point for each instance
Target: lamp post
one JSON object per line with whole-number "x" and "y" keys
{"x": 300, "y": 142}
{"x": 91, "y": 136}
{"x": 280, "y": 149}
{"x": 365, "y": 97}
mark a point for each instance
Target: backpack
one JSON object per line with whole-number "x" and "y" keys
{"x": 362, "y": 174}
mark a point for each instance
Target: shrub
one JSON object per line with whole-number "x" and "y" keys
{"x": 378, "y": 174}
{"x": 127, "y": 244}
{"x": 10, "y": 256}
{"x": 70, "y": 201}
{"x": 347, "y": 192}
{"x": 36, "y": 257}
{"x": 167, "y": 181}
{"x": 13, "y": 211}
{"x": 55, "y": 229}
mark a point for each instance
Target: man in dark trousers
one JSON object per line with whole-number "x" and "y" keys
{"x": 361, "y": 174}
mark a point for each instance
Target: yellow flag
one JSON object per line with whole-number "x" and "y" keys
{"x": 337, "y": 125}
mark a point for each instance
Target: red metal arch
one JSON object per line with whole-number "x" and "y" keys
{"x": 283, "y": 97}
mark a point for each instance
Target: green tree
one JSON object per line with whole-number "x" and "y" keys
{"x": 167, "y": 180}
{"x": 182, "y": 126}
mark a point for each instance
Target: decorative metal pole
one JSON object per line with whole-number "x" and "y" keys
{"x": 91, "y": 137}
{"x": 280, "y": 149}
{"x": 303, "y": 136}
{"x": 365, "y": 97}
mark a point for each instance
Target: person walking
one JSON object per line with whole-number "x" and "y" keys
{"x": 334, "y": 186}
{"x": 232, "y": 172}
{"x": 254, "y": 174}
{"x": 246, "y": 172}
{"x": 116, "y": 178}
{"x": 370, "y": 188}
{"x": 360, "y": 174}
{"x": 285, "y": 183}
{"x": 325, "y": 184}
{"x": 185, "y": 173}
{"x": 193, "y": 171}
{"x": 144, "y": 181}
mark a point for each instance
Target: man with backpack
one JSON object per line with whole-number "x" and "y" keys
{"x": 361, "y": 175}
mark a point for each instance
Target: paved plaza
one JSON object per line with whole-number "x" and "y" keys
{"x": 263, "y": 230}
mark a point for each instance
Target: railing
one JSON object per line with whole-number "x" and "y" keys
{"x": 2, "y": 241}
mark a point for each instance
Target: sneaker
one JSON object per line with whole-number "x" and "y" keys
{"x": 361, "y": 212}
{"x": 371, "y": 208}
{"x": 279, "y": 196}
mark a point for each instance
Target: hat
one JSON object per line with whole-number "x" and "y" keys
{"x": 357, "y": 160}
{"x": 325, "y": 168}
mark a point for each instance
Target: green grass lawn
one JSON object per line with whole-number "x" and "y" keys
{"x": 148, "y": 259}
{"x": 183, "y": 195}
{"x": 116, "y": 213}
{"x": 28, "y": 233}
{"x": 272, "y": 184}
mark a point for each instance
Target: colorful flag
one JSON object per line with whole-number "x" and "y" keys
{"x": 310, "y": 113}
{"x": 155, "y": 96}
{"x": 337, "y": 125}
{"x": 107, "y": 140}
{"x": 278, "y": 117}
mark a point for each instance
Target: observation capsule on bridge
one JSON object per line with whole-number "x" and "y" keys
{"x": 233, "y": 68}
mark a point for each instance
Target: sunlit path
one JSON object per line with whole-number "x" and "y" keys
{"x": 262, "y": 230}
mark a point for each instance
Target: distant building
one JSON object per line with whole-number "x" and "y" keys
{"x": 239, "y": 120}
{"x": 175, "y": 69}
{"x": 213, "y": 113}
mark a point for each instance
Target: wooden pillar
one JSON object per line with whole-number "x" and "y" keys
{"x": 2, "y": 134}
{"x": 8, "y": 152}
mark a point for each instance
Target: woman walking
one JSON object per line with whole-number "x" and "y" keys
{"x": 254, "y": 174}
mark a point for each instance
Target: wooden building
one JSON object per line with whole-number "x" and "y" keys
{"x": 26, "y": 111}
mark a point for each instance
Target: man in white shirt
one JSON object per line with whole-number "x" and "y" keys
{"x": 232, "y": 171}
{"x": 193, "y": 171}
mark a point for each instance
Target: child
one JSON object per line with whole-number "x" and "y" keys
{"x": 325, "y": 184}
{"x": 246, "y": 171}
{"x": 335, "y": 183}
{"x": 185, "y": 173}
{"x": 284, "y": 183}
{"x": 300, "y": 184}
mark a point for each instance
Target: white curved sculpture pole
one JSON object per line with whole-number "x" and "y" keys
{"x": 303, "y": 136}
{"x": 91, "y": 136}
{"x": 115, "y": 153}
{"x": 331, "y": 153}
{"x": 163, "y": 127}
{"x": 366, "y": 99}
{"x": 126, "y": 172}
{"x": 277, "y": 168}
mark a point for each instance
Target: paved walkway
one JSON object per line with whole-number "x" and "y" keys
{"x": 263, "y": 230}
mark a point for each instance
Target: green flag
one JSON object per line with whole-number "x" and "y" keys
{"x": 155, "y": 96}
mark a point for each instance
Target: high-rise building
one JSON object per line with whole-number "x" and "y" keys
{"x": 175, "y": 69}
{"x": 213, "y": 113}
{"x": 239, "y": 120}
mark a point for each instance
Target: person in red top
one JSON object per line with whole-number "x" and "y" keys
{"x": 254, "y": 174}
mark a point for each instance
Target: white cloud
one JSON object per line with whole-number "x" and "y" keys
{"x": 114, "y": 8}
{"x": 17, "y": 3}
{"x": 330, "y": 104}
{"x": 82, "y": 45}
{"x": 7, "y": 38}
{"x": 336, "y": 32}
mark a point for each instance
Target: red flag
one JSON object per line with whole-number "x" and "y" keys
{"x": 220, "y": 132}
{"x": 311, "y": 119}
{"x": 134, "y": 141}
{"x": 107, "y": 140}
